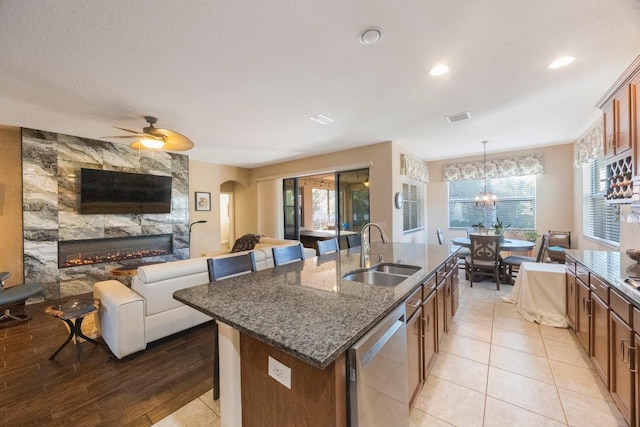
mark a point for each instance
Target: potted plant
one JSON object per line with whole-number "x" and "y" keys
{"x": 499, "y": 228}
{"x": 531, "y": 235}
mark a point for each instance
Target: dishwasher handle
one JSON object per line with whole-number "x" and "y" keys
{"x": 369, "y": 355}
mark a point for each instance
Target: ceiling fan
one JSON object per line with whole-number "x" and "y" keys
{"x": 156, "y": 138}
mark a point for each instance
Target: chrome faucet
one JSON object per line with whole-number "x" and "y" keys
{"x": 363, "y": 251}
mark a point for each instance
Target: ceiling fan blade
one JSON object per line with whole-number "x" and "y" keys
{"x": 174, "y": 141}
{"x": 129, "y": 130}
{"x": 119, "y": 136}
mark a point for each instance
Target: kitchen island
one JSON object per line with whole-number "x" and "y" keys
{"x": 306, "y": 316}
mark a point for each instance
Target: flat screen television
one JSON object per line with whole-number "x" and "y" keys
{"x": 114, "y": 192}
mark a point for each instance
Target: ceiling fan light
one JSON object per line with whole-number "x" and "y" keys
{"x": 152, "y": 143}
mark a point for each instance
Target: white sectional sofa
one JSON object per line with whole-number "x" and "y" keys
{"x": 130, "y": 318}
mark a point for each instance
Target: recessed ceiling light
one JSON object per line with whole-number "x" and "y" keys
{"x": 321, "y": 119}
{"x": 370, "y": 35}
{"x": 561, "y": 62}
{"x": 439, "y": 70}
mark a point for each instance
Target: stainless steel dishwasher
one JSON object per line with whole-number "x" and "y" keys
{"x": 378, "y": 377}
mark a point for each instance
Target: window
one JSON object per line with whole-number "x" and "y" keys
{"x": 324, "y": 209}
{"x": 600, "y": 220}
{"x": 413, "y": 209}
{"x": 516, "y": 203}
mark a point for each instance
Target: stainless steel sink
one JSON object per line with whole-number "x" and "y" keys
{"x": 383, "y": 274}
{"x": 399, "y": 269}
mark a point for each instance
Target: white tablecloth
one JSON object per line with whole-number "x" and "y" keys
{"x": 540, "y": 293}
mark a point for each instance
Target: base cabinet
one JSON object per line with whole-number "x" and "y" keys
{"x": 621, "y": 375}
{"x": 430, "y": 332}
{"x": 582, "y": 318}
{"x": 572, "y": 299}
{"x": 600, "y": 337}
{"x": 413, "y": 307}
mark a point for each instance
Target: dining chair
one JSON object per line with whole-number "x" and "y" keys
{"x": 515, "y": 260}
{"x": 484, "y": 258}
{"x": 558, "y": 240}
{"x": 440, "y": 235}
{"x": 327, "y": 246}
{"x": 287, "y": 254}
{"x": 220, "y": 268}
{"x": 354, "y": 240}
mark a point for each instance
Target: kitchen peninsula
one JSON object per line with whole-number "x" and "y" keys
{"x": 305, "y": 316}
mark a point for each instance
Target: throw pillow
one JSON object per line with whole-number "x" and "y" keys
{"x": 246, "y": 243}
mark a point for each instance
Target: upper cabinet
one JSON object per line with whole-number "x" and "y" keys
{"x": 621, "y": 145}
{"x": 617, "y": 123}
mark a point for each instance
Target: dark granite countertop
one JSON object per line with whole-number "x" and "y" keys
{"x": 306, "y": 309}
{"x": 612, "y": 267}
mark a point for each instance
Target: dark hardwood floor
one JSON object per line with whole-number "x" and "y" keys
{"x": 102, "y": 390}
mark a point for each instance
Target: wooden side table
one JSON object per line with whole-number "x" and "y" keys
{"x": 73, "y": 313}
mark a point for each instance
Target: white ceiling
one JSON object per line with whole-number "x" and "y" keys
{"x": 241, "y": 78}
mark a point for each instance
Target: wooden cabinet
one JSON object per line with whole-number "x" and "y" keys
{"x": 583, "y": 316}
{"x": 617, "y": 123}
{"x": 600, "y": 337}
{"x": 413, "y": 307}
{"x": 572, "y": 299}
{"x": 621, "y": 336}
{"x": 429, "y": 329}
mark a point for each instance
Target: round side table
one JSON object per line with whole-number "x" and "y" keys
{"x": 73, "y": 313}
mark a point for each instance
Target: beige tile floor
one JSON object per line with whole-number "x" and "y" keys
{"x": 494, "y": 369}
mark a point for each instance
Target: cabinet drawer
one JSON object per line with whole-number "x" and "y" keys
{"x": 636, "y": 320}
{"x": 429, "y": 285}
{"x": 413, "y": 303}
{"x": 452, "y": 263}
{"x": 620, "y": 306}
{"x": 570, "y": 265}
{"x": 582, "y": 273}
{"x": 600, "y": 288}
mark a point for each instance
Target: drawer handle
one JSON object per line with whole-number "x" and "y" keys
{"x": 414, "y": 305}
{"x": 632, "y": 359}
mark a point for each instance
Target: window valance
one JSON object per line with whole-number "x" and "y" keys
{"x": 588, "y": 146}
{"x": 413, "y": 168}
{"x": 496, "y": 168}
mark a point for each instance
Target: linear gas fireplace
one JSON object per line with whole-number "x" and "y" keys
{"x": 73, "y": 253}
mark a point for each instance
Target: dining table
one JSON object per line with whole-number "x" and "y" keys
{"x": 511, "y": 245}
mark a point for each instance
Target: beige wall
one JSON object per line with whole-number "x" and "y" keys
{"x": 554, "y": 192}
{"x": 212, "y": 178}
{"x": 11, "y": 204}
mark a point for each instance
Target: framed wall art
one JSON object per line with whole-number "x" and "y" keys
{"x": 203, "y": 201}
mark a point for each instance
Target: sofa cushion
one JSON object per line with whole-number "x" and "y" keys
{"x": 245, "y": 243}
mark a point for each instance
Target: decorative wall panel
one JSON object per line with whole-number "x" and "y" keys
{"x": 51, "y": 163}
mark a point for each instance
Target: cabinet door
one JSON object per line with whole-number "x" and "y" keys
{"x": 572, "y": 299}
{"x": 582, "y": 319}
{"x": 621, "y": 377}
{"x": 441, "y": 326}
{"x": 414, "y": 355}
{"x": 635, "y": 359}
{"x": 430, "y": 332}
{"x": 623, "y": 133}
{"x": 608, "y": 114}
{"x": 448, "y": 300}
{"x": 600, "y": 337}
{"x": 455, "y": 290}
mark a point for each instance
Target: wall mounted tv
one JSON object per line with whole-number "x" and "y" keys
{"x": 113, "y": 192}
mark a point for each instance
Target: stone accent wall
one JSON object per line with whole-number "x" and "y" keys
{"x": 51, "y": 166}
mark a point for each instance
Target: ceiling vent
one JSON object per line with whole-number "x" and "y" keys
{"x": 457, "y": 117}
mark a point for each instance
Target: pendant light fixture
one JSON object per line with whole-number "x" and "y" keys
{"x": 485, "y": 199}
